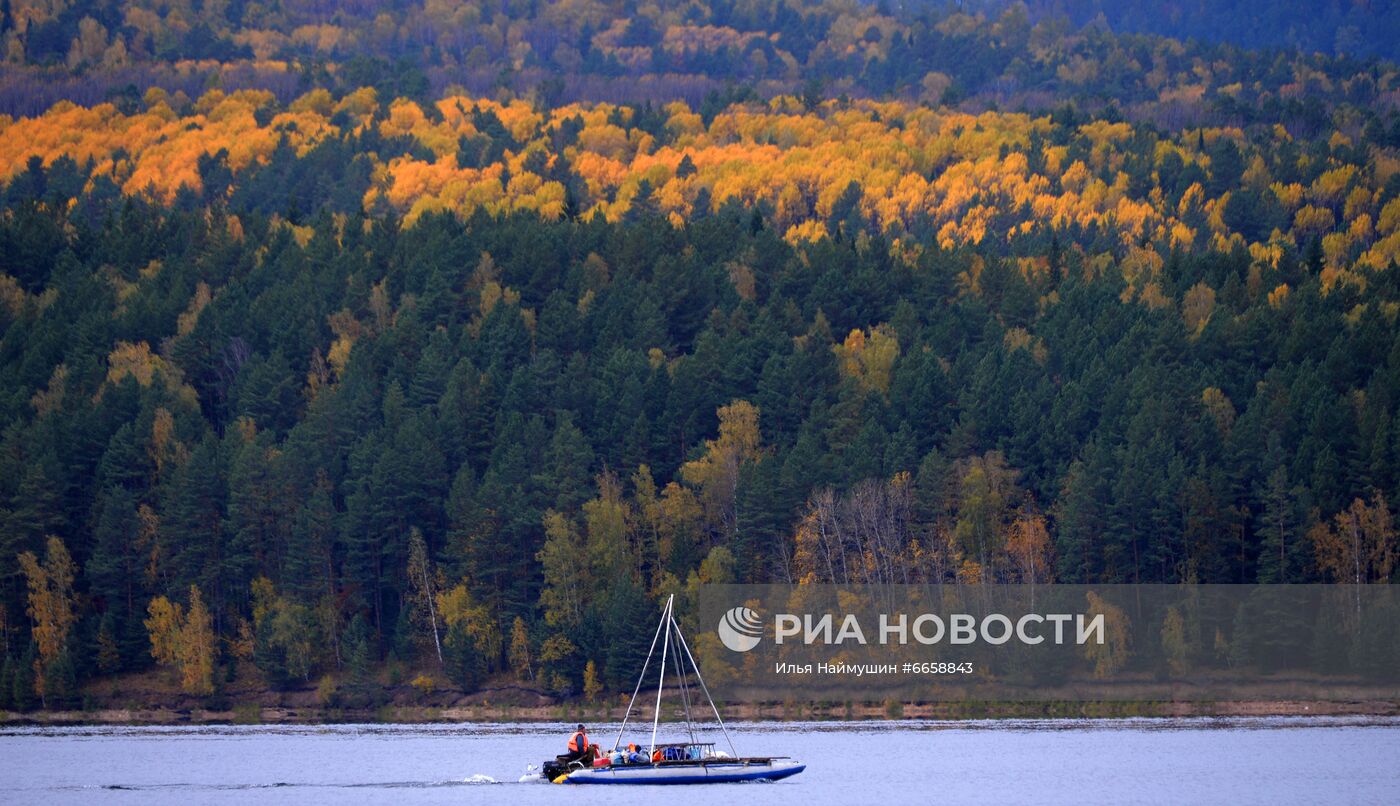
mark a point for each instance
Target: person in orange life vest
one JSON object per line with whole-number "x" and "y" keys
{"x": 579, "y": 748}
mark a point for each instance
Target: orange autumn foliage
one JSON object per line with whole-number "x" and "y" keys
{"x": 952, "y": 175}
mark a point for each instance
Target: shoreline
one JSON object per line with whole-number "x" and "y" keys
{"x": 253, "y": 714}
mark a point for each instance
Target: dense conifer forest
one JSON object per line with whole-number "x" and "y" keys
{"x": 326, "y": 369}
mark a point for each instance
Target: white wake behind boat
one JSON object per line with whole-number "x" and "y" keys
{"x": 689, "y": 762}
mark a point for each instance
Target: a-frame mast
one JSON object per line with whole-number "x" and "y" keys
{"x": 664, "y": 631}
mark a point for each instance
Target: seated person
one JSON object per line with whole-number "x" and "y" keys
{"x": 579, "y": 748}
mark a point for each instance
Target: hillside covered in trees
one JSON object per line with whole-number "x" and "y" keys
{"x": 1344, "y": 27}
{"x": 319, "y": 371}
{"x": 972, "y": 53}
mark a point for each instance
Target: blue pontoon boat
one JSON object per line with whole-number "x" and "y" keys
{"x": 690, "y": 762}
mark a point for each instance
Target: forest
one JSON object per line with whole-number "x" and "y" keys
{"x": 358, "y": 376}
{"x": 1355, "y": 27}
{"x": 1231, "y": 61}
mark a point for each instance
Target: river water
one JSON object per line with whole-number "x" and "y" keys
{"x": 1234, "y": 761}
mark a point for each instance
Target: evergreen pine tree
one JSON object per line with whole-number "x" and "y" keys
{"x": 625, "y": 608}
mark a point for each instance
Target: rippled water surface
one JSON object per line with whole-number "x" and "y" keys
{"x": 1239, "y": 761}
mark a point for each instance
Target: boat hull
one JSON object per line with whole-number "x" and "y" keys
{"x": 709, "y": 772}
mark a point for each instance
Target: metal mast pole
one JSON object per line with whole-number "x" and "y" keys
{"x": 638, "y": 689}
{"x": 665, "y": 644}
{"x": 706, "y": 689}
{"x": 679, "y": 666}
